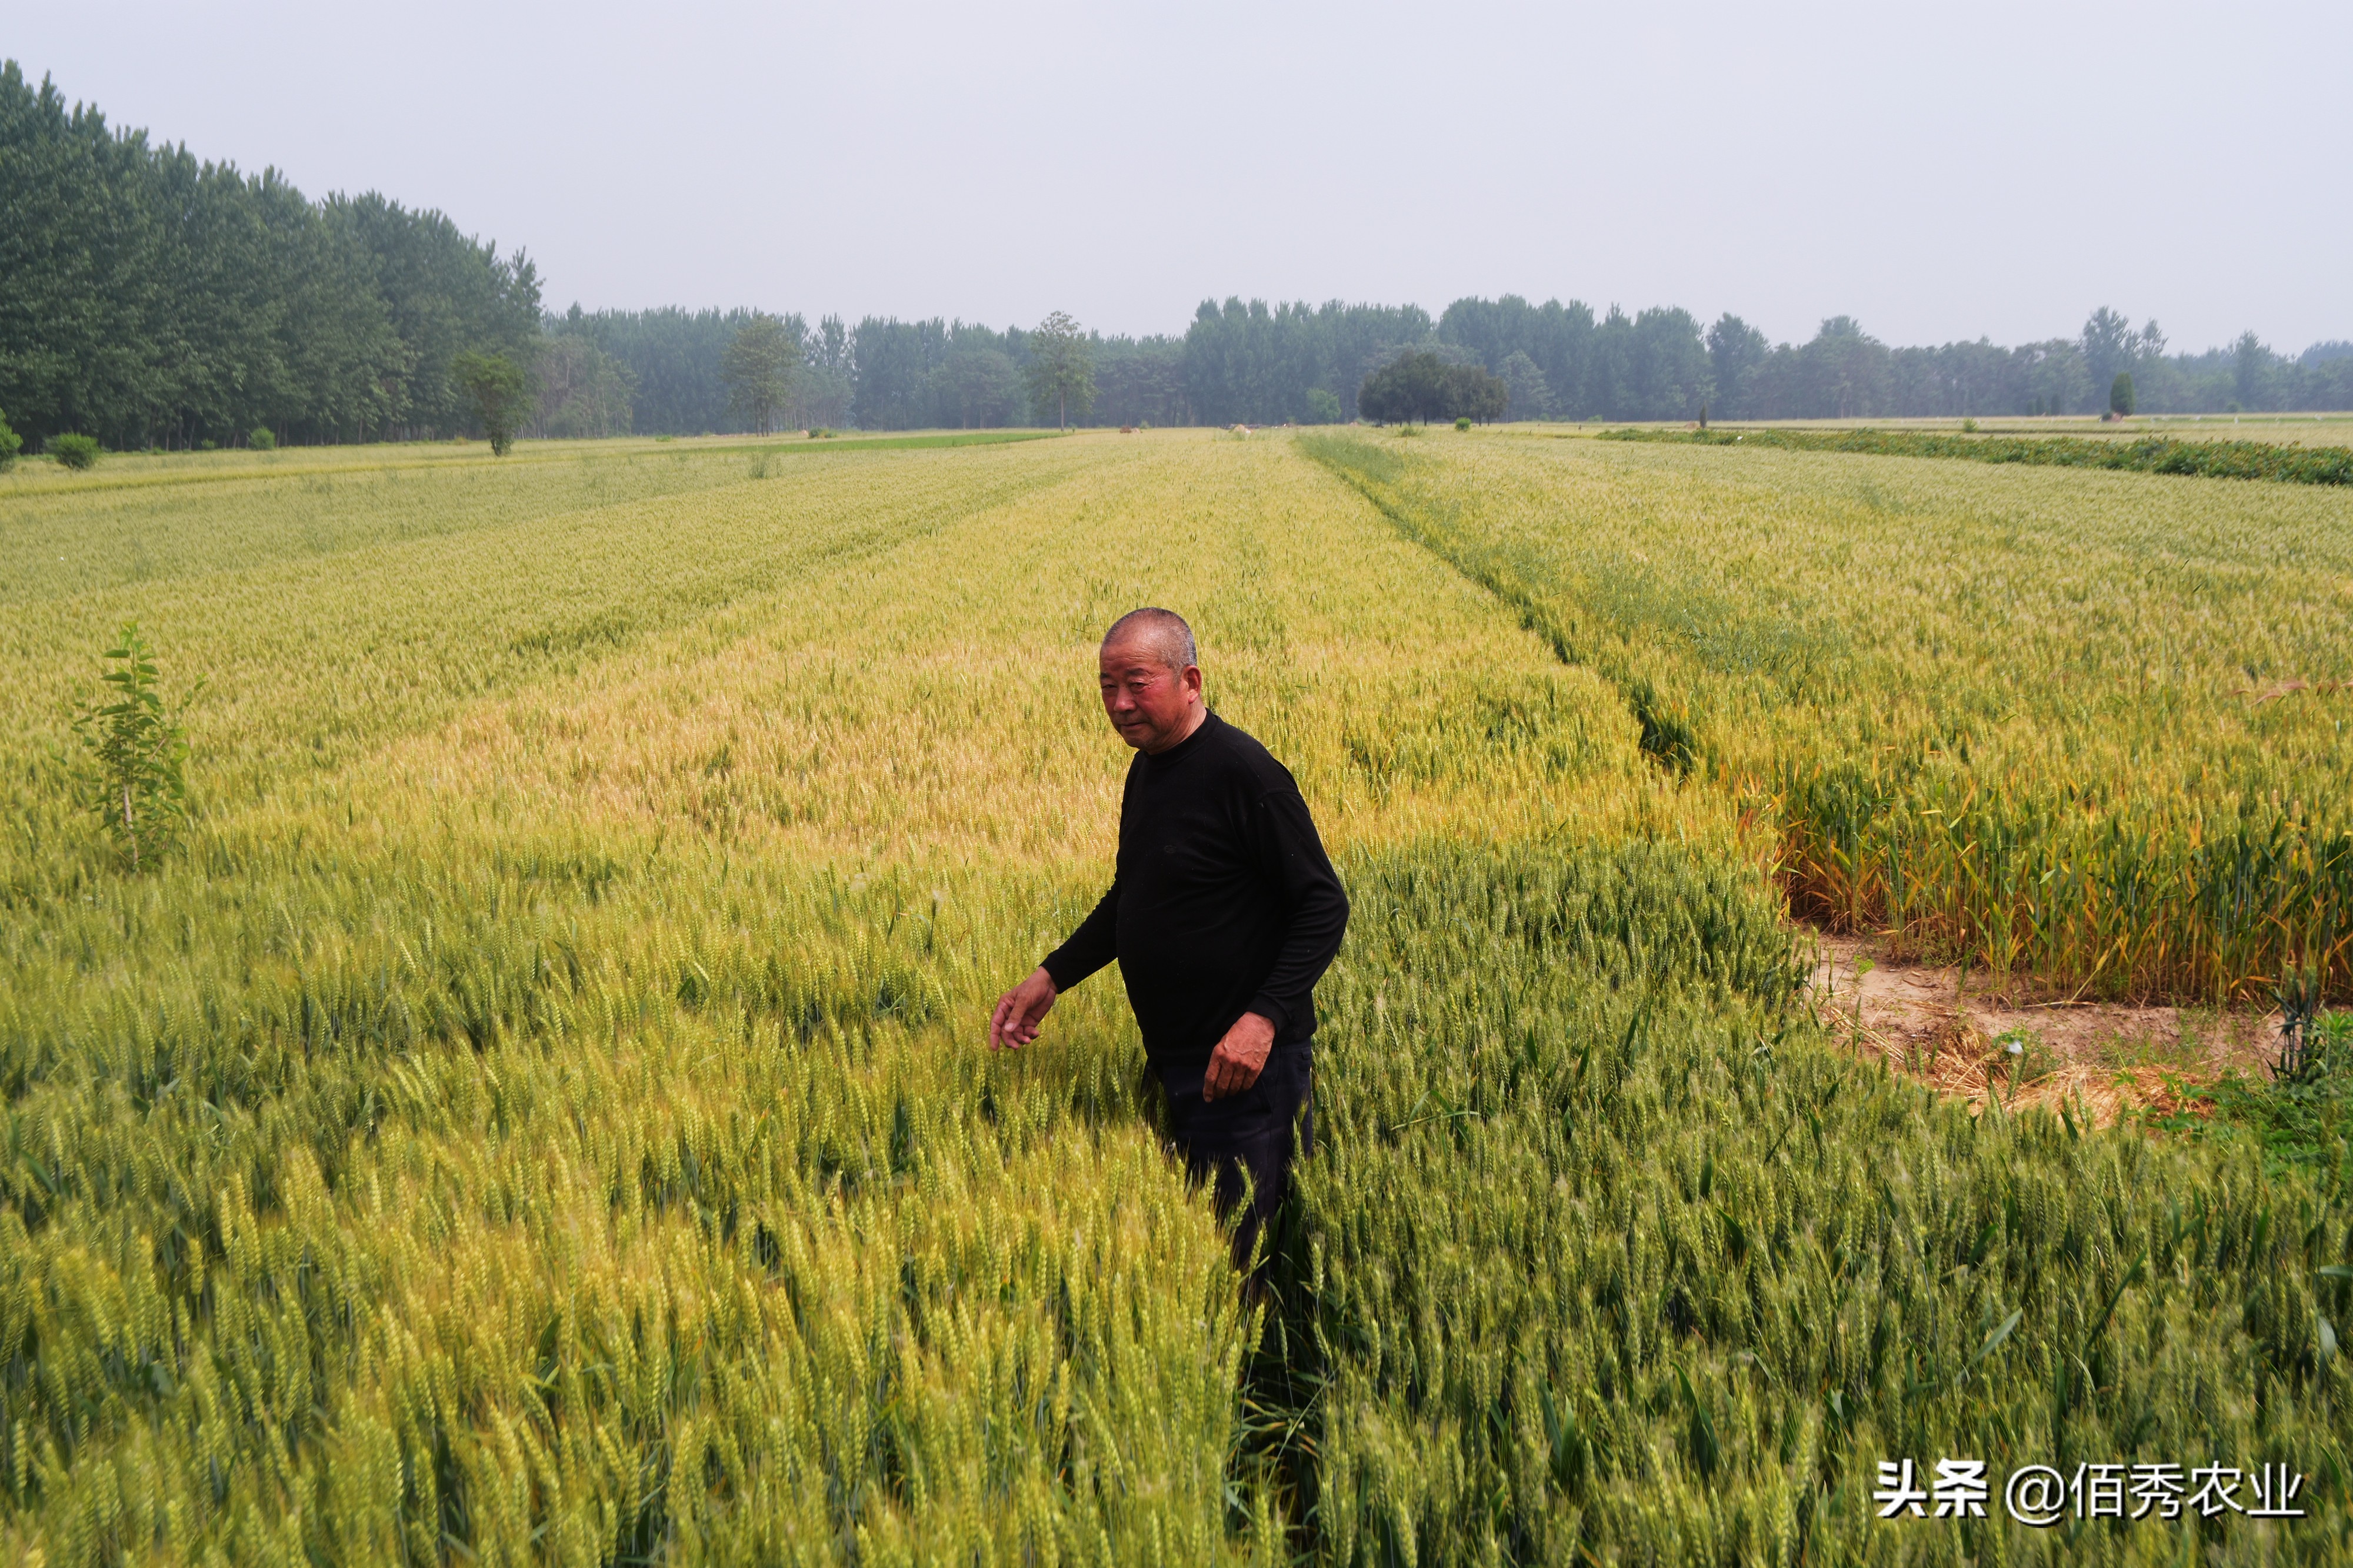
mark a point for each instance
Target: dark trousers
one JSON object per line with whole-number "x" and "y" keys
{"x": 1249, "y": 1132}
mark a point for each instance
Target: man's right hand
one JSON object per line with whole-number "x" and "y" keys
{"x": 1020, "y": 1010}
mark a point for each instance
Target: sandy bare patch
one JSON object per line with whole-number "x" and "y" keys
{"x": 2098, "y": 1060}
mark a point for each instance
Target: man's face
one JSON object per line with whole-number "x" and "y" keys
{"x": 1151, "y": 705}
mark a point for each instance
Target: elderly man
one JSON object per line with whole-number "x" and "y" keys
{"x": 1223, "y": 912}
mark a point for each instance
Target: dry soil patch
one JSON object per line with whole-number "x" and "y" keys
{"x": 2097, "y": 1058}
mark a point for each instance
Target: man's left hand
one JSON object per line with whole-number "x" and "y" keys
{"x": 1239, "y": 1058}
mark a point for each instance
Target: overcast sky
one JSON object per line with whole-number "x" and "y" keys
{"x": 1938, "y": 172}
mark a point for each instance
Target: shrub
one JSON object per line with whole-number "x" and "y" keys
{"x": 2120, "y": 394}
{"x": 500, "y": 392}
{"x": 1462, "y": 423}
{"x": 74, "y": 451}
{"x": 10, "y": 443}
{"x": 1323, "y": 405}
{"x": 263, "y": 439}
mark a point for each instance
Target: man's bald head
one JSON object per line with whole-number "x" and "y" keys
{"x": 1161, "y": 632}
{"x": 1150, "y": 680}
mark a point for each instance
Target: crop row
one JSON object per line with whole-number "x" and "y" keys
{"x": 2080, "y": 729}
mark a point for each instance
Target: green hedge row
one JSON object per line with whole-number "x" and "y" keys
{"x": 2150, "y": 455}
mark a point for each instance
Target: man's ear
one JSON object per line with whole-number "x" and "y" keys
{"x": 1192, "y": 679}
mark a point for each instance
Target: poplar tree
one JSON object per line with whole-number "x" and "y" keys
{"x": 757, "y": 370}
{"x": 1061, "y": 368}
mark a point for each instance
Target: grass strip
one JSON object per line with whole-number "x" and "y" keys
{"x": 2154, "y": 455}
{"x": 891, "y": 443}
{"x": 440, "y": 456}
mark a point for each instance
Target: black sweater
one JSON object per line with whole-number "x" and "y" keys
{"x": 1223, "y": 903}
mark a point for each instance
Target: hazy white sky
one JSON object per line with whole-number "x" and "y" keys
{"x": 1938, "y": 172}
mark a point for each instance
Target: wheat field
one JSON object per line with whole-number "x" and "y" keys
{"x": 2088, "y": 730}
{"x": 539, "y": 1115}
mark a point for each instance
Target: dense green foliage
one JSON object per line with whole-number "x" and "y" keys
{"x": 1563, "y": 364}
{"x": 153, "y": 299}
{"x": 918, "y": 374}
{"x": 1650, "y": 365}
{"x": 1249, "y": 364}
{"x": 1420, "y": 386}
{"x": 758, "y": 370}
{"x": 77, "y": 452}
{"x": 882, "y": 375}
{"x": 1843, "y": 372}
{"x": 581, "y": 390}
{"x": 672, "y": 360}
{"x": 1560, "y": 362}
{"x": 1061, "y": 370}
{"x": 2145, "y": 455}
{"x": 498, "y": 391}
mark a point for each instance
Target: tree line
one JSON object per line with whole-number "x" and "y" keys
{"x": 1250, "y": 363}
{"x": 881, "y": 373}
{"x": 151, "y": 299}
{"x": 1844, "y": 372}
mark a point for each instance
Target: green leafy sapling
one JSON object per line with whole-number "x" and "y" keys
{"x": 140, "y": 750}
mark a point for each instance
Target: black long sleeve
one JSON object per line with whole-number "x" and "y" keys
{"x": 1292, "y": 858}
{"x": 1224, "y": 901}
{"x": 1093, "y": 945}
